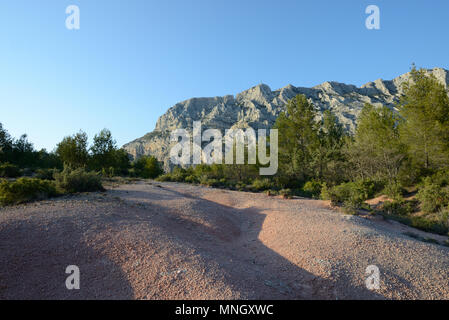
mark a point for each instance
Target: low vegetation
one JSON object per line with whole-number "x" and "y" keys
{"x": 73, "y": 167}
{"x": 24, "y": 190}
{"x": 77, "y": 180}
{"x": 8, "y": 170}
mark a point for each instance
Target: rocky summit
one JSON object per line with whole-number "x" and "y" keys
{"x": 259, "y": 106}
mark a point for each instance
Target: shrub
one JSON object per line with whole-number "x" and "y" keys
{"x": 394, "y": 190}
{"x": 212, "y": 183}
{"x": 261, "y": 184}
{"x": 324, "y": 195}
{"x": 286, "y": 193}
{"x": 24, "y": 190}
{"x": 428, "y": 225}
{"x": 191, "y": 179}
{"x": 165, "y": 177}
{"x": 443, "y": 217}
{"x": 8, "y": 170}
{"x": 132, "y": 173}
{"x": 271, "y": 192}
{"x": 369, "y": 187}
{"x": 46, "y": 174}
{"x": 441, "y": 177}
{"x": 432, "y": 196}
{"x": 179, "y": 174}
{"x": 399, "y": 208}
{"x": 354, "y": 193}
{"x": 78, "y": 180}
{"x": 350, "y": 207}
{"x": 203, "y": 178}
{"x": 108, "y": 173}
{"x": 346, "y": 192}
{"x": 313, "y": 188}
{"x": 147, "y": 167}
{"x": 240, "y": 186}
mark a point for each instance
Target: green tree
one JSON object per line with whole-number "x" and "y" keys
{"x": 424, "y": 108}
{"x": 6, "y": 144}
{"x": 328, "y": 156}
{"x": 105, "y": 156}
{"x": 121, "y": 162}
{"x": 103, "y": 151}
{"x": 48, "y": 160}
{"x": 376, "y": 150}
{"x": 72, "y": 150}
{"x": 23, "y": 153}
{"x": 147, "y": 167}
{"x": 298, "y": 140}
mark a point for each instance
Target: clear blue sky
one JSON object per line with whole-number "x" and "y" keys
{"x": 133, "y": 59}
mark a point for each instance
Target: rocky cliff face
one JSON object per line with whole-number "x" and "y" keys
{"x": 259, "y": 107}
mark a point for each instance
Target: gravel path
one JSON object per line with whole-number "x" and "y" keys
{"x": 152, "y": 240}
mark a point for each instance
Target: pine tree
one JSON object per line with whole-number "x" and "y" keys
{"x": 298, "y": 140}
{"x": 424, "y": 108}
{"x": 328, "y": 157}
{"x": 376, "y": 150}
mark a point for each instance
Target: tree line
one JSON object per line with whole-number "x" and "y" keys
{"x": 18, "y": 156}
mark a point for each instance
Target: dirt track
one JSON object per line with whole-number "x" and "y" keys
{"x": 176, "y": 241}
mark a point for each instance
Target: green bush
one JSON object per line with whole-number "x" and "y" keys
{"x": 286, "y": 193}
{"x": 147, "y": 167}
{"x": 350, "y": 207}
{"x": 313, "y": 188}
{"x": 261, "y": 184}
{"x": 164, "y": 177}
{"x": 132, "y": 173}
{"x": 213, "y": 183}
{"x": 271, "y": 192}
{"x": 78, "y": 180}
{"x": 24, "y": 190}
{"x": 108, "y": 173}
{"x": 399, "y": 208}
{"x": 191, "y": 179}
{"x": 354, "y": 193}
{"x": 179, "y": 174}
{"x": 346, "y": 193}
{"x": 429, "y": 225}
{"x": 443, "y": 217}
{"x": 394, "y": 190}
{"x": 240, "y": 186}
{"x": 441, "y": 177}
{"x": 46, "y": 174}
{"x": 324, "y": 195}
{"x": 8, "y": 170}
{"x": 432, "y": 196}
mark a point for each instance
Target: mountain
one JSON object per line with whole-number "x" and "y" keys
{"x": 259, "y": 106}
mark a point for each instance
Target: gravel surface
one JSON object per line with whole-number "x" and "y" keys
{"x": 151, "y": 240}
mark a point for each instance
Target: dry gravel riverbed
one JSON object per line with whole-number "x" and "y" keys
{"x": 150, "y": 240}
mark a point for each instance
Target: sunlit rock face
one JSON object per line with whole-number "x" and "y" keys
{"x": 259, "y": 106}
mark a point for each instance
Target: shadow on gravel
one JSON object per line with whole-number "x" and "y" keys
{"x": 228, "y": 238}
{"x": 33, "y": 260}
{"x": 34, "y": 255}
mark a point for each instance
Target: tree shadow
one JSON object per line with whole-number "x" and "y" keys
{"x": 34, "y": 257}
{"x": 228, "y": 238}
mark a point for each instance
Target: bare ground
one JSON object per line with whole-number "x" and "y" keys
{"x": 153, "y": 240}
